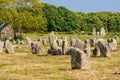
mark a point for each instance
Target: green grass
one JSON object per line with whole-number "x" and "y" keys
{"x": 22, "y": 65}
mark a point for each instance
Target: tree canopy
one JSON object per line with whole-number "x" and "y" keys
{"x": 33, "y": 16}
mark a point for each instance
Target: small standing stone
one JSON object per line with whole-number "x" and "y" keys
{"x": 9, "y": 48}
{"x": 37, "y": 48}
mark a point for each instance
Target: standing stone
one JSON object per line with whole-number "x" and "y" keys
{"x": 96, "y": 51}
{"x": 104, "y": 48}
{"x": 79, "y": 59}
{"x": 29, "y": 41}
{"x": 53, "y": 45}
{"x": 59, "y": 42}
{"x": 52, "y": 37}
{"x": 94, "y": 32}
{"x": 6, "y": 43}
{"x": 92, "y": 42}
{"x": 79, "y": 44}
{"x": 44, "y": 41}
{"x": 1, "y": 46}
{"x": 37, "y": 48}
{"x": 102, "y": 32}
{"x": 9, "y": 48}
{"x": 54, "y": 50}
{"x": 73, "y": 42}
{"x": 98, "y": 33}
{"x": 85, "y": 47}
{"x": 18, "y": 41}
{"x": 64, "y": 47}
{"x": 113, "y": 44}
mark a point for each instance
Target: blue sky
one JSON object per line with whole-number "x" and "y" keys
{"x": 87, "y": 5}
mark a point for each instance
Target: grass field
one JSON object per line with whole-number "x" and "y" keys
{"x": 22, "y": 65}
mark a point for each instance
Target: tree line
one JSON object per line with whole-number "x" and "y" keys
{"x": 29, "y": 16}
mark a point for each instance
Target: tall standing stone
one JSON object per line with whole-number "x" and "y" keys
{"x": 29, "y": 41}
{"x": 52, "y": 37}
{"x": 96, "y": 51}
{"x": 79, "y": 59}
{"x": 98, "y": 33}
{"x": 94, "y": 32}
{"x": 92, "y": 42}
{"x": 102, "y": 32}
{"x": 64, "y": 47}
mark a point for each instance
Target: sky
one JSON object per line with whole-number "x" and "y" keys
{"x": 87, "y": 5}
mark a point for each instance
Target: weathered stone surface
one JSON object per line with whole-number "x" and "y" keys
{"x": 79, "y": 59}
{"x": 79, "y": 44}
{"x": 64, "y": 47}
{"x": 54, "y": 50}
{"x": 96, "y": 51}
{"x": 29, "y": 41}
{"x": 53, "y": 45}
{"x": 73, "y": 42}
{"x": 52, "y": 37}
{"x": 92, "y": 42}
{"x": 37, "y": 48}
{"x": 85, "y": 47}
{"x": 59, "y": 42}
{"x": 6, "y": 43}
{"x": 9, "y": 48}
{"x": 102, "y": 32}
{"x": 94, "y": 32}
{"x": 102, "y": 45}
{"x": 112, "y": 44}
{"x": 44, "y": 41}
